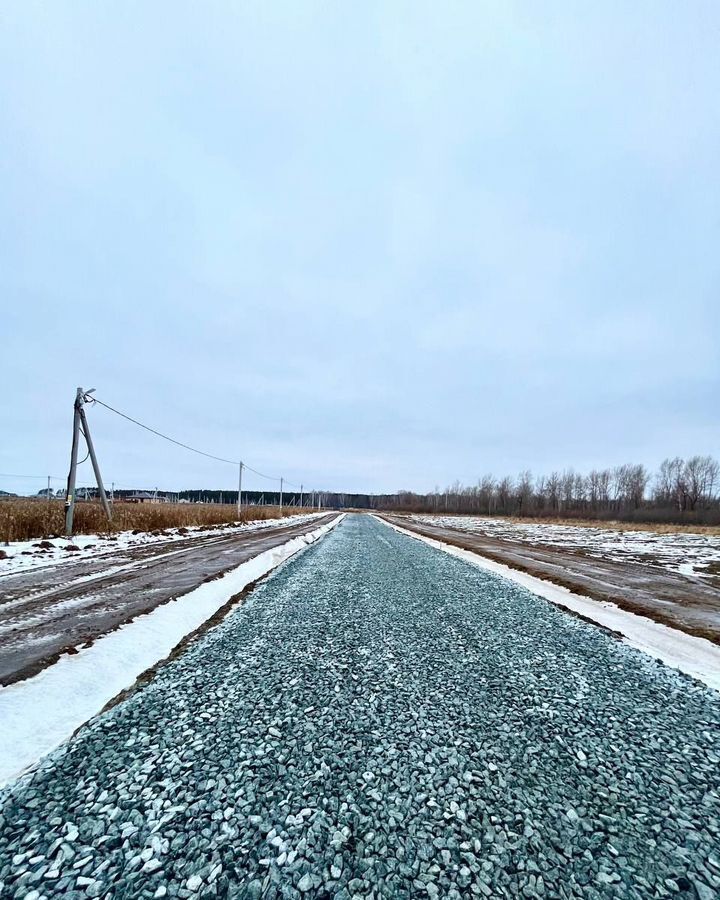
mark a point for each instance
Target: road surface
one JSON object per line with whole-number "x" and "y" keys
{"x": 381, "y": 719}
{"x": 686, "y": 602}
{"x": 49, "y": 611}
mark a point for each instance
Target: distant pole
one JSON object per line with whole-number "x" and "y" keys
{"x": 112, "y": 493}
{"x": 70, "y": 494}
{"x": 49, "y": 503}
{"x": 281, "y": 484}
{"x": 239, "y": 508}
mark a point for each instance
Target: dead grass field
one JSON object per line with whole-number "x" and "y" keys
{"x": 26, "y": 519}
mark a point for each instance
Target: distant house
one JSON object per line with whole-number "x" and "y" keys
{"x": 145, "y": 497}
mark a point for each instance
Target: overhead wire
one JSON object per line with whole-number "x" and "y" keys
{"x": 232, "y": 462}
{"x": 44, "y": 477}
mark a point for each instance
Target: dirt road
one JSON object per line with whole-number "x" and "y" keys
{"x": 685, "y": 602}
{"x": 49, "y": 611}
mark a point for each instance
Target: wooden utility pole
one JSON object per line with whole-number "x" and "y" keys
{"x": 70, "y": 494}
{"x": 96, "y": 467}
{"x": 239, "y": 505}
{"x": 80, "y": 423}
{"x": 281, "y": 485}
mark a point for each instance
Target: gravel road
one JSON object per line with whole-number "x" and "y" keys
{"x": 688, "y": 603}
{"x": 46, "y": 612}
{"x": 383, "y": 720}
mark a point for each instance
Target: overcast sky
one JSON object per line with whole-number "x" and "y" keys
{"x": 367, "y": 246}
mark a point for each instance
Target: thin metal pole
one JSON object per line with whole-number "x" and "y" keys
{"x": 96, "y": 467}
{"x": 281, "y": 484}
{"x": 240, "y": 468}
{"x": 70, "y": 493}
{"x": 301, "y": 503}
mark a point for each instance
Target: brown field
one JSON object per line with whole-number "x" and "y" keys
{"x": 26, "y": 519}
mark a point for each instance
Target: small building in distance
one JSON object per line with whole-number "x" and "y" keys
{"x": 144, "y": 497}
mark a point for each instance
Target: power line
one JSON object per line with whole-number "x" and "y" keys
{"x": 261, "y": 474}
{"x": 231, "y": 462}
{"x": 54, "y": 477}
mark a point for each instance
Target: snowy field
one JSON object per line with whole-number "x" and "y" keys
{"x": 682, "y": 552}
{"x": 22, "y": 556}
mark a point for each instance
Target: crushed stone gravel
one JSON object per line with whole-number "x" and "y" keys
{"x": 383, "y": 720}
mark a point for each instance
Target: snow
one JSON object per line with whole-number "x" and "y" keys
{"x": 684, "y": 552}
{"x": 96, "y": 546}
{"x": 694, "y": 656}
{"x": 38, "y": 714}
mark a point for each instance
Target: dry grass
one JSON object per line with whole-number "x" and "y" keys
{"x": 27, "y": 519}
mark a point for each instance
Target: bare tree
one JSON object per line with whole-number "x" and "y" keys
{"x": 700, "y": 475}
{"x": 524, "y": 491}
{"x": 554, "y": 484}
{"x": 504, "y": 493}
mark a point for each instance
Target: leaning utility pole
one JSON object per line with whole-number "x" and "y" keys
{"x": 240, "y": 468}
{"x": 93, "y": 459}
{"x": 281, "y": 484}
{"x": 70, "y": 493}
{"x": 80, "y": 424}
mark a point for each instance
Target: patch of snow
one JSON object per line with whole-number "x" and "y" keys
{"x": 38, "y": 714}
{"x": 23, "y": 556}
{"x": 683, "y": 552}
{"x": 692, "y": 655}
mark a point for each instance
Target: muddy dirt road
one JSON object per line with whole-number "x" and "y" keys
{"x": 686, "y": 602}
{"x": 49, "y": 611}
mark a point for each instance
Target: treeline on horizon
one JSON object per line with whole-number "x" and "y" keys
{"x": 679, "y": 491}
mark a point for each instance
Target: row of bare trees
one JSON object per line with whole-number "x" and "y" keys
{"x": 681, "y": 490}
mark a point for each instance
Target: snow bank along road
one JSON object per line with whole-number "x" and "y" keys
{"x": 381, "y": 719}
{"x": 688, "y": 602}
{"x": 47, "y": 611}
